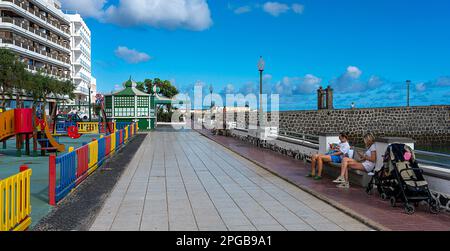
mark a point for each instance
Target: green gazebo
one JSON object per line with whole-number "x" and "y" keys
{"x": 133, "y": 105}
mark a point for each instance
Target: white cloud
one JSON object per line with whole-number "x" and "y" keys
{"x": 187, "y": 14}
{"x": 353, "y": 72}
{"x": 375, "y": 82}
{"x": 275, "y": 8}
{"x": 349, "y": 81}
{"x": 298, "y": 85}
{"x": 298, "y": 8}
{"x": 131, "y": 56}
{"x": 86, "y": 8}
{"x": 228, "y": 89}
{"x": 421, "y": 87}
{"x": 443, "y": 81}
{"x": 248, "y": 88}
{"x": 242, "y": 10}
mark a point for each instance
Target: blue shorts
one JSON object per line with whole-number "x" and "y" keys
{"x": 336, "y": 159}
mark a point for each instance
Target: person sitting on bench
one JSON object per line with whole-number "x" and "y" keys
{"x": 366, "y": 163}
{"x": 336, "y": 155}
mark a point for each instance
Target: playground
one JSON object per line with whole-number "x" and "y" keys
{"x": 10, "y": 163}
{"x": 58, "y": 157}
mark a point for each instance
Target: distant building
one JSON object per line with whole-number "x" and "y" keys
{"x": 81, "y": 57}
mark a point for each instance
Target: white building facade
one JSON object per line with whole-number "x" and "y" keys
{"x": 81, "y": 57}
{"x": 39, "y": 33}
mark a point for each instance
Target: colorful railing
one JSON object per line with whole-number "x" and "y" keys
{"x": 76, "y": 165}
{"x": 88, "y": 127}
{"x": 95, "y": 127}
{"x": 15, "y": 207}
{"x": 121, "y": 125}
{"x": 61, "y": 127}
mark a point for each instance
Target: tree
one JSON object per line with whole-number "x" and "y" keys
{"x": 13, "y": 76}
{"x": 42, "y": 86}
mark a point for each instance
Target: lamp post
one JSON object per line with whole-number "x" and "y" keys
{"x": 211, "y": 90}
{"x": 408, "y": 85}
{"x": 89, "y": 100}
{"x": 261, "y": 65}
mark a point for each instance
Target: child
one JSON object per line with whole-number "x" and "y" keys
{"x": 337, "y": 153}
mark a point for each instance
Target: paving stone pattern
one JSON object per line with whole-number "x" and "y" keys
{"x": 179, "y": 180}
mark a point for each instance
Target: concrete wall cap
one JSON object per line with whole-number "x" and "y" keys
{"x": 329, "y": 134}
{"x": 391, "y": 140}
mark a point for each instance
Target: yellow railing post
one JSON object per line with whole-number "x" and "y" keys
{"x": 15, "y": 208}
{"x": 93, "y": 156}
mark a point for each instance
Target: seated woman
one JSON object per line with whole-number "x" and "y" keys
{"x": 335, "y": 156}
{"x": 366, "y": 163}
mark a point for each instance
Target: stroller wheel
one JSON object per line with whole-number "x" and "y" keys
{"x": 369, "y": 190}
{"x": 435, "y": 206}
{"x": 383, "y": 196}
{"x": 409, "y": 209}
{"x": 393, "y": 201}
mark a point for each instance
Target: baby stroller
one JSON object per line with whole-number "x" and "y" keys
{"x": 401, "y": 179}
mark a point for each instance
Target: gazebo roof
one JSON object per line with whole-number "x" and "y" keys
{"x": 130, "y": 90}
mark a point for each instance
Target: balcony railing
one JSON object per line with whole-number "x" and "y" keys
{"x": 47, "y": 71}
{"x": 36, "y": 13}
{"x": 20, "y": 24}
{"x": 24, "y": 45}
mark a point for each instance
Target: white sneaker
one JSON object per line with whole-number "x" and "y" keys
{"x": 340, "y": 179}
{"x": 345, "y": 185}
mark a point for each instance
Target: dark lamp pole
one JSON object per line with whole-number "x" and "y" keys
{"x": 90, "y": 112}
{"x": 261, "y": 65}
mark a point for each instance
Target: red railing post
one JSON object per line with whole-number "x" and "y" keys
{"x": 23, "y": 168}
{"x": 52, "y": 180}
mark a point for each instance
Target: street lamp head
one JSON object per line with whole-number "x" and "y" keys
{"x": 261, "y": 64}
{"x": 211, "y": 89}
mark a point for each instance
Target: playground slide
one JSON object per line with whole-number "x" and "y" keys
{"x": 7, "y": 129}
{"x": 51, "y": 140}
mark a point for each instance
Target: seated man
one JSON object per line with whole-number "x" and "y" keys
{"x": 336, "y": 155}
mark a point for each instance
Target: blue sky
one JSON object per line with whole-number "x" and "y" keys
{"x": 364, "y": 49}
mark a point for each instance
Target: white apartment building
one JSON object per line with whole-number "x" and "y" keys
{"x": 39, "y": 32}
{"x": 81, "y": 57}
{"x": 93, "y": 89}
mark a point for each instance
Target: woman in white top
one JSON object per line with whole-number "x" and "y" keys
{"x": 367, "y": 162}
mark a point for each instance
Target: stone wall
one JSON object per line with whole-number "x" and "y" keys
{"x": 427, "y": 125}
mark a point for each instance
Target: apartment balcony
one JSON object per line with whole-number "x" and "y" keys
{"x": 25, "y": 29}
{"x": 25, "y": 48}
{"x": 82, "y": 63}
{"x": 55, "y": 73}
{"x": 38, "y": 16}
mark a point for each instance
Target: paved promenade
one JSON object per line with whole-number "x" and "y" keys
{"x": 353, "y": 200}
{"x": 180, "y": 180}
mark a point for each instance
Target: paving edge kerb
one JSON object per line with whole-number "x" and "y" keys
{"x": 318, "y": 195}
{"x": 64, "y": 216}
